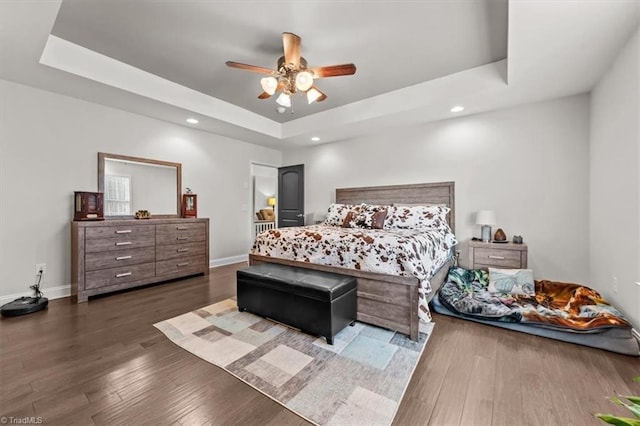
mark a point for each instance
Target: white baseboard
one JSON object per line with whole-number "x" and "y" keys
{"x": 214, "y": 263}
{"x": 49, "y": 292}
{"x": 65, "y": 290}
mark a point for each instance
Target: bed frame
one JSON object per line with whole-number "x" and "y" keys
{"x": 387, "y": 301}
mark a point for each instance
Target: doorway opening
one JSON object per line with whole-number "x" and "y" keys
{"x": 264, "y": 198}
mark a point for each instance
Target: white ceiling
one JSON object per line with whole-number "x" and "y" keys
{"x": 415, "y": 59}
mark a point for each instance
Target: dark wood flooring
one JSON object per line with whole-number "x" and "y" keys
{"x": 103, "y": 362}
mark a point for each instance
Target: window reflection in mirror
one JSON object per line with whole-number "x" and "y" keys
{"x": 130, "y": 184}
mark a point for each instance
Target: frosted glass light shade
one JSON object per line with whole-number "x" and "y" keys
{"x": 304, "y": 81}
{"x": 284, "y": 100}
{"x": 485, "y": 217}
{"x": 269, "y": 85}
{"x": 271, "y": 201}
{"x": 313, "y": 95}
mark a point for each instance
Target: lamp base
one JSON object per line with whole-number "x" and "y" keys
{"x": 486, "y": 233}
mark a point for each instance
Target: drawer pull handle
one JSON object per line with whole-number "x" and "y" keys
{"x": 124, "y": 274}
{"x": 182, "y": 238}
{"x": 123, "y": 257}
{"x": 182, "y": 250}
{"x": 124, "y": 243}
{"x": 496, "y": 257}
{"x": 183, "y": 264}
{"x": 124, "y": 231}
{"x": 182, "y": 228}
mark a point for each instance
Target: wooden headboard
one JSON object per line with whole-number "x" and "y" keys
{"x": 430, "y": 193}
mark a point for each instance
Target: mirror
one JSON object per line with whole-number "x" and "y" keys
{"x": 130, "y": 184}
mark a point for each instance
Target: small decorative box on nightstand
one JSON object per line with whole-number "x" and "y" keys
{"x": 497, "y": 255}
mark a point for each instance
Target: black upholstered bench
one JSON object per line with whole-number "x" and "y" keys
{"x": 317, "y": 302}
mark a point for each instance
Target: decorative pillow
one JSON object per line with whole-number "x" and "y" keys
{"x": 351, "y": 220}
{"x": 259, "y": 216}
{"x": 338, "y": 212}
{"x": 511, "y": 281}
{"x": 366, "y": 216}
{"x": 268, "y": 214}
{"x": 372, "y": 216}
{"x": 417, "y": 217}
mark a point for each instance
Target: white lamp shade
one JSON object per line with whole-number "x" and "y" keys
{"x": 284, "y": 100}
{"x": 269, "y": 85}
{"x": 304, "y": 81}
{"x": 313, "y": 95}
{"x": 485, "y": 217}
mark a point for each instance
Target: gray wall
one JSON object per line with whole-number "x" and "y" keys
{"x": 529, "y": 164}
{"x": 49, "y": 146}
{"x": 615, "y": 182}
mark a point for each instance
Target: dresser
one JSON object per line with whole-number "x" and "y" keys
{"x": 113, "y": 255}
{"x": 497, "y": 255}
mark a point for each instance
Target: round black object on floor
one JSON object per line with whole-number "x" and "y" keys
{"x": 23, "y": 306}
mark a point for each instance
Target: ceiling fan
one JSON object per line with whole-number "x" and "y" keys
{"x": 292, "y": 74}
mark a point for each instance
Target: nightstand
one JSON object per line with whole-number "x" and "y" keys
{"x": 497, "y": 255}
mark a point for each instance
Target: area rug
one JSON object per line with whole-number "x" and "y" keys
{"x": 360, "y": 379}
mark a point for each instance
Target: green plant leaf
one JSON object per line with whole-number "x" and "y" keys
{"x": 617, "y": 421}
{"x": 633, "y": 407}
{"x": 636, "y": 379}
{"x": 634, "y": 399}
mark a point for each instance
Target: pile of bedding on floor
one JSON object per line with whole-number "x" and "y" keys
{"x": 564, "y": 311}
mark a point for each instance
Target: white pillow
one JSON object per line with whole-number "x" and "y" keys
{"x": 417, "y": 217}
{"x": 338, "y": 212}
{"x": 511, "y": 281}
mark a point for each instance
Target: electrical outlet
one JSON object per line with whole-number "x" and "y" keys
{"x": 41, "y": 267}
{"x": 614, "y": 284}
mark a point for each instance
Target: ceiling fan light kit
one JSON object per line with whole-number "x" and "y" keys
{"x": 284, "y": 100}
{"x": 292, "y": 75}
{"x": 269, "y": 85}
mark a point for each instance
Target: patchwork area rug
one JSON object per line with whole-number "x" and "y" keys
{"x": 360, "y": 379}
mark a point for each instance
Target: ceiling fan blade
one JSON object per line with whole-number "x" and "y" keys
{"x": 316, "y": 94}
{"x": 333, "y": 70}
{"x": 247, "y": 67}
{"x": 291, "y": 43}
{"x": 322, "y": 96}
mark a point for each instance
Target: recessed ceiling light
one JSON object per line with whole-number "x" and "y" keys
{"x": 457, "y": 108}
{"x": 315, "y": 139}
{"x": 192, "y": 121}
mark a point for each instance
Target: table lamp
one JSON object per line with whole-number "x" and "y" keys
{"x": 486, "y": 218}
{"x": 272, "y": 202}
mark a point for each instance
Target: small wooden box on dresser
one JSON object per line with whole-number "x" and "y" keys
{"x": 497, "y": 255}
{"x": 112, "y": 255}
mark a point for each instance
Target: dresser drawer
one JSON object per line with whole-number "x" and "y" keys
{"x": 184, "y": 266}
{"x": 122, "y": 231}
{"x": 177, "y": 251}
{"x": 120, "y": 275}
{"x": 494, "y": 257}
{"x": 119, "y": 258}
{"x": 127, "y": 242}
{"x": 180, "y": 233}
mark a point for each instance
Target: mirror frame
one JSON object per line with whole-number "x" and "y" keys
{"x": 104, "y": 156}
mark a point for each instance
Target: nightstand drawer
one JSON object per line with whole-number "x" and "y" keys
{"x": 497, "y": 257}
{"x": 493, "y": 255}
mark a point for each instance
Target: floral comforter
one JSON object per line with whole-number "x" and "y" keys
{"x": 398, "y": 252}
{"x": 556, "y": 305}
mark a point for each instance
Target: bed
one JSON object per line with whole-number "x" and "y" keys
{"x": 384, "y": 299}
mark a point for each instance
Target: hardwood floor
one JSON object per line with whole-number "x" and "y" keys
{"x": 103, "y": 362}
